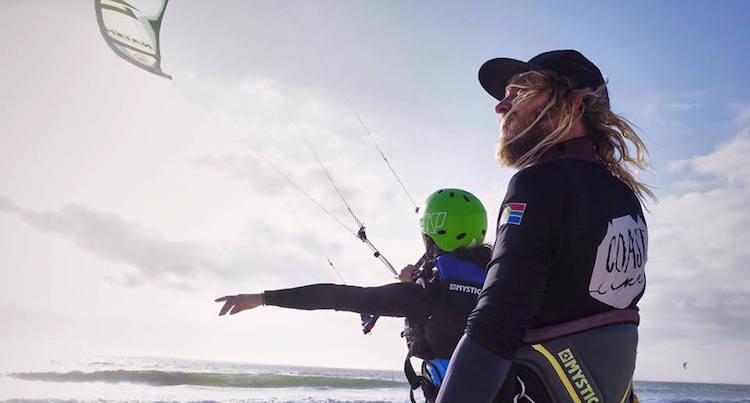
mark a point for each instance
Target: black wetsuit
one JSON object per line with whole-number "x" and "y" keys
{"x": 541, "y": 271}
{"x": 571, "y": 242}
{"x": 436, "y": 308}
{"x": 398, "y": 299}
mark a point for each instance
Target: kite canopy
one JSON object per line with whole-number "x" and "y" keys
{"x": 131, "y": 29}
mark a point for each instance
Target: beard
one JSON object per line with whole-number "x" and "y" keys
{"x": 510, "y": 147}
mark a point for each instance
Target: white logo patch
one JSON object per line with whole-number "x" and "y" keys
{"x": 618, "y": 274}
{"x": 464, "y": 288}
{"x": 434, "y": 221}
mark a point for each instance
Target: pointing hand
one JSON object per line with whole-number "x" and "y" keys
{"x": 238, "y": 303}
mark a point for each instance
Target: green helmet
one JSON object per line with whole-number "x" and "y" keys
{"x": 453, "y": 218}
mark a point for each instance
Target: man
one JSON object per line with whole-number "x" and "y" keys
{"x": 557, "y": 317}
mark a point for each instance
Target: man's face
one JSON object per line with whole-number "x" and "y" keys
{"x": 511, "y": 147}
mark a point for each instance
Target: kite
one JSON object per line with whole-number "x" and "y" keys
{"x": 131, "y": 29}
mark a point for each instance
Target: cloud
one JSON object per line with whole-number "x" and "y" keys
{"x": 698, "y": 285}
{"x": 7, "y": 205}
{"x": 725, "y": 166}
{"x": 729, "y": 161}
{"x": 246, "y": 168}
{"x": 668, "y": 110}
{"x": 660, "y": 103}
{"x": 306, "y": 141}
{"x": 269, "y": 179}
{"x": 743, "y": 113}
{"x": 140, "y": 255}
{"x": 257, "y": 126}
{"x": 683, "y": 106}
{"x": 677, "y": 165}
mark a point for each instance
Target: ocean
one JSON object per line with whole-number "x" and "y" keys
{"x": 171, "y": 380}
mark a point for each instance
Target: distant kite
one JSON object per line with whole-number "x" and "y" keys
{"x": 131, "y": 29}
{"x": 684, "y": 365}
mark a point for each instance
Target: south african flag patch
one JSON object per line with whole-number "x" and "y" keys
{"x": 512, "y": 213}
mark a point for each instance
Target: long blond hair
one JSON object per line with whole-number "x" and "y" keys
{"x": 611, "y": 133}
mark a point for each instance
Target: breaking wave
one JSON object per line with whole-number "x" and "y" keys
{"x": 222, "y": 380}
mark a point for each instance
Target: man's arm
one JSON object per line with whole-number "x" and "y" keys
{"x": 513, "y": 290}
{"x": 474, "y": 374}
{"x": 507, "y": 305}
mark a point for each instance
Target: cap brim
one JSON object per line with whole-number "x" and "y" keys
{"x": 495, "y": 74}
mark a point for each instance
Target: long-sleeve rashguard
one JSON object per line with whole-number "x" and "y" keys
{"x": 399, "y": 299}
{"x": 571, "y": 242}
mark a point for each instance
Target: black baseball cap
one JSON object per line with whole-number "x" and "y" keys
{"x": 582, "y": 73}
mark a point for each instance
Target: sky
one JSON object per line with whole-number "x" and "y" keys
{"x": 128, "y": 202}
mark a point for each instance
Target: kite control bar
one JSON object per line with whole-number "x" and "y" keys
{"x": 362, "y": 235}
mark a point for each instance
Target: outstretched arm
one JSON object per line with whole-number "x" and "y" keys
{"x": 398, "y": 299}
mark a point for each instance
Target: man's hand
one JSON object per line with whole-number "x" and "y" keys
{"x": 407, "y": 273}
{"x": 239, "y": 303}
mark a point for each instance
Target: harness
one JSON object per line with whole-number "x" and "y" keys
{"x": 588, "y": 360}
{"x": 434, "y": 339}
{"x": 549, "y": 367}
